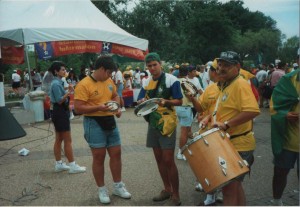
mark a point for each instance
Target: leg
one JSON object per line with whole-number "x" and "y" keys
{"x": 66, "y": 136}
{"x": 233, "y": 194}
{"x": 162, "y": 168}
{"x": 57, "y": 146}
{"x": 98, "y": 165}
{"x": 115, "y": 162}
{"x": 279, "y": 181}
{"x": 183, "y": 136}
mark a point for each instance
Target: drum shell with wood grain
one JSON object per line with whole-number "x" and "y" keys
{"x": 214, "y": 160}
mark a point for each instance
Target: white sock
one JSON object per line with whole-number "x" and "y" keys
{"x": 179, "y": 151}
{"x": 116, "y": 184}
{"x": 210, "y": 198}
{"x": 72, "y": 163}
{"x": 59, "y": 162}
{"x": 102, "y": 187}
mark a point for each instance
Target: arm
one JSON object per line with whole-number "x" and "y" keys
{"x": 81, "y": 107}
{"x": 241, "y": 118}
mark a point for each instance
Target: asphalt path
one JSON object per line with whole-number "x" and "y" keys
{"x": 31, "y": 181}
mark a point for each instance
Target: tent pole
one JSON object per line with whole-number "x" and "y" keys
{"x": 29, "y": 71}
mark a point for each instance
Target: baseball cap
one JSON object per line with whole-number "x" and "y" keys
{"x": 191, "y": 68}
{"x": 153, "y": 56}
{"x": 230, "y": 57}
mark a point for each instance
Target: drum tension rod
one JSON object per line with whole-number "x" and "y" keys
{"x": 205, "y": 141}
{"x": 207, "y": 181}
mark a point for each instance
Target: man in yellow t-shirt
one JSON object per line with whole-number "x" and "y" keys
{"x": 236, "y": 108}
{"x": 100, "y": 129}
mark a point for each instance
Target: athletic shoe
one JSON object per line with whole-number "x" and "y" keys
{"x": 61, "y": 167}
{"x": 103, "y": 195}
{"x": 123, "y": 109}
{"x": 121, "y": 191}
{"x": 77, "y": 169}
{"x": 180, "y": 156}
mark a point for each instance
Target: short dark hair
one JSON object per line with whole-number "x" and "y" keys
{"x": 55, "y": 67}
{"x": 106, "y": 62}
{"x": 183, "y": 71}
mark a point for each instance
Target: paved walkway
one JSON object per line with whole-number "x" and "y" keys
{"x": 31, "y": 180}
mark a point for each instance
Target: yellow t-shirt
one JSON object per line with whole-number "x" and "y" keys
{"x": 292, "y": 142}
{"x": 95, "y": 93}
{"x": 234, "y": 99}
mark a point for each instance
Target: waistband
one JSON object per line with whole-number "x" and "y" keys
{"x": 238, "y": 135}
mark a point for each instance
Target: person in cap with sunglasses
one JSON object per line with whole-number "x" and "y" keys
{"x": 235, "y": 108}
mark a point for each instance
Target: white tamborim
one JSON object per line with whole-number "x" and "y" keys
{"x": 189, "y": 88}
{"x": 147, "y": 107}
{"x": 113, "y": 105}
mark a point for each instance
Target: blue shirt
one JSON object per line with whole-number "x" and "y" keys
{"x": 57, "y": 90}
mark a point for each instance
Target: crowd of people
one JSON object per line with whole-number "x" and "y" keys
{"x": 227, "y": 97}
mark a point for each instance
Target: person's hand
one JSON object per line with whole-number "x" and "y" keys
{"x": 292, "y": 116}
{"x": 118, "y": 113}
{"x": 204, "y": 122}
{"x": 141, "y": 100}
{"x": 162, "y": 102}
{"x": 104, "y": 107}
{"x": 189, "y": 96}
{"x": 220, "y": 125}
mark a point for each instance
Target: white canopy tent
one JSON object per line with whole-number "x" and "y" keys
{"x": 31, "y": 21}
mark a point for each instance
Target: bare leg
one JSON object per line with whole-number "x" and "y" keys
{"x": 233, "y": 194}
{"x": 98, "y": 165}
{"x": 115, "y": 162}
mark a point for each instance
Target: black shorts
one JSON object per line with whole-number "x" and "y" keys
{"x": 61, "y": 118}
{"x": 16, "y": 85}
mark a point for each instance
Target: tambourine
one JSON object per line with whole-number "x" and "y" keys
{"x": 147, "y": 107}
{"x": 189, "y": 88}
{"x": 113, "y": 105}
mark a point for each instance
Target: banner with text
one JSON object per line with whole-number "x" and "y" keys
{"x": 12, "y": 55}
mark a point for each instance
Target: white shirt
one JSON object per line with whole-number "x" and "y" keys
{"x": 261, "y": 75}
{"x": 118, "y": 77}
{"x": 16, "y": 77}
{"x": 205, "y": 79}
{"x": 196, "y": 82}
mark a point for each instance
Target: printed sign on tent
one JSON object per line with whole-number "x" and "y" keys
{"x": 12, "y": 55}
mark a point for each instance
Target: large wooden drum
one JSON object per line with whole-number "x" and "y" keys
{"x": 213, "y": 159}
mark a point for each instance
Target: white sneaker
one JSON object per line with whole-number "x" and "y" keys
{"x": 180, "y": 156}
{"x": 103, "y": 195}
{"x": 77, "y": 169}
{"x": 123, "y": 109}
{"x": 276, "y": 202}
{"x": 121, "y": 191}
{"x": 61, "y": 167}
{"x": 71, "y": 116}
{"x": 198, "y": 187}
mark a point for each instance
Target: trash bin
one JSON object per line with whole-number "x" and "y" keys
{"x": 36, "y": 104}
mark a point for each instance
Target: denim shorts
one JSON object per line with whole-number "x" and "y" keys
{"x": 98, "y": 138}
{"x": 120, "y": 90}
{"x": 185, "y": 115}
{"x": 156, "y": 139}
{"x": 287, "y": 159}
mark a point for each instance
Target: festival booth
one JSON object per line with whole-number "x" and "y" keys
{"x": 61, "y": 27}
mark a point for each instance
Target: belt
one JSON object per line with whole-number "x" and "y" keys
{"x": 238, "y": 135}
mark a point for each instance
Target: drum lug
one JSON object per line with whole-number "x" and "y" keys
{"x": 207, "y": 182}
{"x": 224, "y": 171}
{"x": 227, "y": 135}
{"x": 222, "y": 134}
{"x": 189, "y": 151}
{"x": 246, "y": 163}
{"x": 206, "y": 142}
{"x": 241, "y": 164}
{"x": 223, "y": 163}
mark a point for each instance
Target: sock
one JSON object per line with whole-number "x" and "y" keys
{"x": 72, "y": 163}
{"x": 210, "y": 198}
{"x": 59, "y": 162}
{"x": 102, "y": 188}
{"x": 117, "y": 184}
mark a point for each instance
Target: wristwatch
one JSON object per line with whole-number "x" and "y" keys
{"x": 226, "y": 125}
